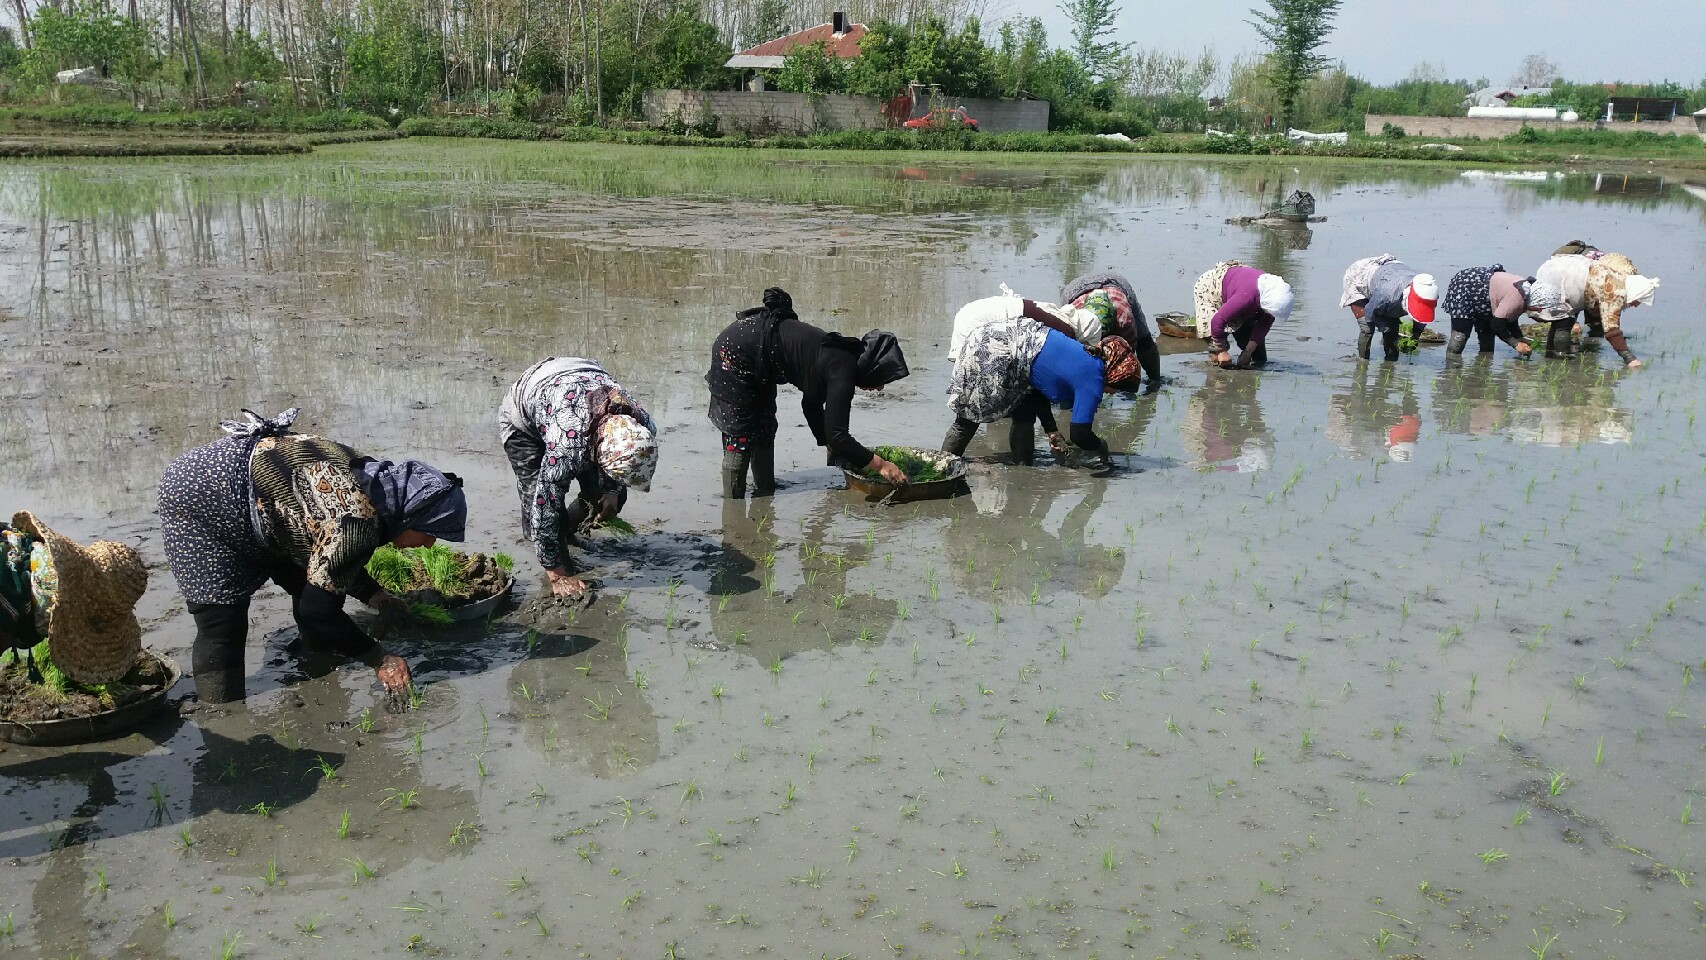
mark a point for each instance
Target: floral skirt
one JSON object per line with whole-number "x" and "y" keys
{"x": 993, "y": 372}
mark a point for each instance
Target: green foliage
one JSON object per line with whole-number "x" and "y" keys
{"x": 431, "y": 614}
{"x": 1296, "y": 31}
{"x": 391, "y": 569}
{"x": 1092, "y": 22}
{"x": 811, "y": 68}
{"x": 442, "y": 567}
{"x": 687, "y": 54}
{"x": 54, "y": 679}
{"x": 224, "y": 120}
{"x": 88, "y": 35}
{"x": 917, "y": 469}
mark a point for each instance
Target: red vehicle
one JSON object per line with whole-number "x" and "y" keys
{"x": 943, "y": 118}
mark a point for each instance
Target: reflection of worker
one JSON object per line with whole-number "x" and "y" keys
{"x": 565, "y": 422}
{"x": 1017, "y": 368}
{"x": 1386, "y": 296}
{"x": 1242, "y": 303}
{"x": 79, "y": 599}
{"x": 1223, "y": 426}
{"x": 306, "y": 513}
{"x": 771, "y": 345}
{"x": 1370, "y": 421}
{"x": 1125, "y": 319}
{"x": 1012, "y": 508}
{"x": 1600, "y": 286}
{"x": 1491, "y": 302}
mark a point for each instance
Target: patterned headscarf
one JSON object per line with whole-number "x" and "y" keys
{"x": 627, "y": 451}
{"x": 1120, "y": 369}
{"x": 1102, "y": 306}
{"x": 256, "y": 426}
{"x": 1548, "y": 299}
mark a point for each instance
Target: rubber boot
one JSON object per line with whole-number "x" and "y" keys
{"x": 1558, "y": 339}
{"x": 959, "y": 436}
{"x": 1365, "y": 340}
{"x": 1459, "y": 340}
{"x": 734, "y": 474}
{"x": 763, "y": 470}
{"x": 1389, "y": 341}
{"x": 1022, "y": 439}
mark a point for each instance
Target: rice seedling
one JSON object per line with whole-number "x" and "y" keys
{"x": 690, "y": 792}
{"x": 269, "y": 876}
{"x": 166, "y": 916}
{"x": 401, "y": 799}
{"x": 1521, "y": 817}
{"x": 366, "y": 721}
{"x": 343, "y": 826}
{"x": 324, "y": 768}
{"x": 228, "y": 946}
{"x": 262, "y": 809}
{"x": 463, "y": 833}
{"x": 359, "y": 870}
{"x": 101, "y": 879}
{"x": 185, "y": 840}
{"x": 1110, "y": 862}
{"x": 480, "y": 765}
{"x": 600, "y": 708}
{"x": 1493, "y": 855}
{"x": 1540, "y": 946}
{"x": 1556, "y": 783}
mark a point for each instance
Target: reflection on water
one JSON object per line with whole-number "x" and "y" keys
{"x": 1375, "y": 416}
{"x": 1561, "y": 403}
{"x": 1223, "y": 427}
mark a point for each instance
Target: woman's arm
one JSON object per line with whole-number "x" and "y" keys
{"x": 835, "y": 412}
{"x": 1244, "y": 301}
{"x": 1032, "y": 311}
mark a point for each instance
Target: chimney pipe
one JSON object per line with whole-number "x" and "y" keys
{"x": 840, "y": 22}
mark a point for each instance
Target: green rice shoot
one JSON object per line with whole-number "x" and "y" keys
{"x": 54, "y": 679}
{"x": 398, "y": 570}
{"x": 618, "y": 526}
{"x": 504, "y": 560}
{"x": 917, "y": 469}
{"x": 432, "y": 614}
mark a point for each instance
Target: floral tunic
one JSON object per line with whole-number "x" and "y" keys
{"x": 993, "y": 372}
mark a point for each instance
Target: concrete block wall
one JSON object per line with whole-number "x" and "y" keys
{"x": 1489, "y": 128}
{"x": 992, "y": 116}
{"x": 761, "y": 114}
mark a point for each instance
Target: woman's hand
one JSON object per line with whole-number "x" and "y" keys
{"x": 1632, "y": 364}
{"x": 393, "y": 674}
{"x": 391, "y": 612}
{"x": 1057, "y": 446}
{"x": 1246, "y": 359}
{"x": 607, "y": 508}
{"x": 1221, "y": 358}
{"x": 1523, "y": 349}
{"x": 564, "y": 584}
{"x": 887, "y": 470}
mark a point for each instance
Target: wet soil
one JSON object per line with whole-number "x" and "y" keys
{"x": 1343, "y": 656}
{"x": 480, "y": 578}
{"x": 22, "y": 701}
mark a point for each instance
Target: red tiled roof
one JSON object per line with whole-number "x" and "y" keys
{"x": 844, "y": 47}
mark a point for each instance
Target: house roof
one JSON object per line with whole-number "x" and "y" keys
{"x": 1492, "y": 96}
{"x": 769, "y": 54}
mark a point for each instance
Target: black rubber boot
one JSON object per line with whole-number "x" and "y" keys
{"x": 1365, "y": 340}
{"x": 222, "y": 632}
{"x": 1459, "y": 340}
{"x": 763, "y": 470}
{"x": 1022, "y": 439}
{"x": 734, "y": 474}
{"x": 1558, "y": 339}
{"x": 1389, "y": 341}
{"x": 959, "y": 436}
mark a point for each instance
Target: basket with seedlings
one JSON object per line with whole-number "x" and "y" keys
{"x": 41, "y": 705}
{"x": 442, "y": 585}
{"x": 930, "y": 475}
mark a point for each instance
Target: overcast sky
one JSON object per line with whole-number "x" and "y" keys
{"x": 1382, "y": 39}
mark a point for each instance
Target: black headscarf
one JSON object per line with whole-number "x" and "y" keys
{"x": 881, "y": 361}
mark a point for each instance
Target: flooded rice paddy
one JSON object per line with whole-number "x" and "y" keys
{"x": 1348, "y": 660}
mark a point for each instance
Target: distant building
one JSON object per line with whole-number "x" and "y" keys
{"x": 1700, "y": 122}
{"x": 840, "y": 38}
{"x": 1502, "y": 96}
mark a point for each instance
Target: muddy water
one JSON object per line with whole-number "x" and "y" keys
{"x": 1347, "y": 660}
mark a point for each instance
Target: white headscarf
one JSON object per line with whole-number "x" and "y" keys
{"x": 1639, "y": 289}
{"x": 1275, "y": 296}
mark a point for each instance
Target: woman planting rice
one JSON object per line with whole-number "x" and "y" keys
{"x": 771, "y": 345}
{"x": 564, "y": 422}
{"x": 1242, "y": 303}
{"x": 1017, "y": 368}
{"x": 306, "y": 513}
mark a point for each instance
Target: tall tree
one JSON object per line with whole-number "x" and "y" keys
{"x": 1296, "y": 30}
{"x": 1537, "y": 70}
{"x": 1092, "y": 24}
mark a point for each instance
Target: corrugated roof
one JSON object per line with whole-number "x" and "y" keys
{"x": 843, "y": 47}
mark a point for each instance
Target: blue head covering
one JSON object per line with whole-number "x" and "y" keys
{"x": 414, "y": 496}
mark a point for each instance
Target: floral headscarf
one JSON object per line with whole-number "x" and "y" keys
{"x": 1102, "y": 306}
{"x": 627, "y": 451}
{"x": 1120, "y": 369}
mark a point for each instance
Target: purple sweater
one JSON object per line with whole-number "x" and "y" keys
{"x": 1240, "y": 303}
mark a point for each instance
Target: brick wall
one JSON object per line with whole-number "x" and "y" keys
{"x": 1492, "y": 127}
